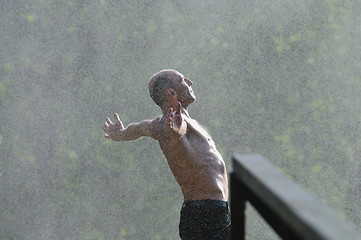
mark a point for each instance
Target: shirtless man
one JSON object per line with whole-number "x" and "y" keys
{"x": 191, "y": 154}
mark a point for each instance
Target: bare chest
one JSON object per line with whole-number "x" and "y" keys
{"x": 198, "y": 133}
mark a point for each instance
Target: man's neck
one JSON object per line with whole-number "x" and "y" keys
{"x": 165, "y": 110}
{"x": 185, "y": 112}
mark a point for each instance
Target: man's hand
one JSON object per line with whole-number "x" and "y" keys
{"x": 175, "y": 121}
{"x": 112, "y": 130}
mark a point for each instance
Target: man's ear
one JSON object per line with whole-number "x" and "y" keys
{"x": 170, "y": 92}
{"x": 171, "y": 96}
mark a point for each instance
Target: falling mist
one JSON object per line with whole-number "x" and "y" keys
{"x": 281, "y": 78}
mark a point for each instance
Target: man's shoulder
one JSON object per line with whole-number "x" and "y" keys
{"x": 155, "y": 123}
{"x": 149, "y": 127}
{"x": 157, "y": 119}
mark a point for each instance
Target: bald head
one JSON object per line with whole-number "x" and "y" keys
{"x": 160, "y": 82}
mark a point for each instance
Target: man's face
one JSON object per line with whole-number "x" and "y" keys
{"x": 184, "y": 90}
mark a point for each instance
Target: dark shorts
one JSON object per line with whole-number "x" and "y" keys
{"x": 205, "y": 219}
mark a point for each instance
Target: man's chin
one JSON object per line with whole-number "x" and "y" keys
{"x": 190, "y": 100}
{"x": 192, "y": 97}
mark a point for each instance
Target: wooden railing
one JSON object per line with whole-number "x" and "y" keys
{"x": 292, "y": 212}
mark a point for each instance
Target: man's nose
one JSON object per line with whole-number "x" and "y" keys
{"x": 189, "y": 82}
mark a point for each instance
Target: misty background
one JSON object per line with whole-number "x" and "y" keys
{"x": 281, "y": 78}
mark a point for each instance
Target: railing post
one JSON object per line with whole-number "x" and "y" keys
{"x": 290, "y": 210}
{"x": 238, "y": 209}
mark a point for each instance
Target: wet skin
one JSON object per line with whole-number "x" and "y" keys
{"x": 189, "y": 149}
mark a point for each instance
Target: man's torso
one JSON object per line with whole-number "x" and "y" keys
{"x": 195, "y": 162}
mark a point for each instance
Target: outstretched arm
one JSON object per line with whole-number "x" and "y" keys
{"x": 117, "y": 132}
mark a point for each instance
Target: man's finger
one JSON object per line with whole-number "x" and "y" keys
{"x": 109, "y": 121}
{"x": 105, "y": 126}
{"x": 116, "y": 116}
{"x": 179, "y": 108}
